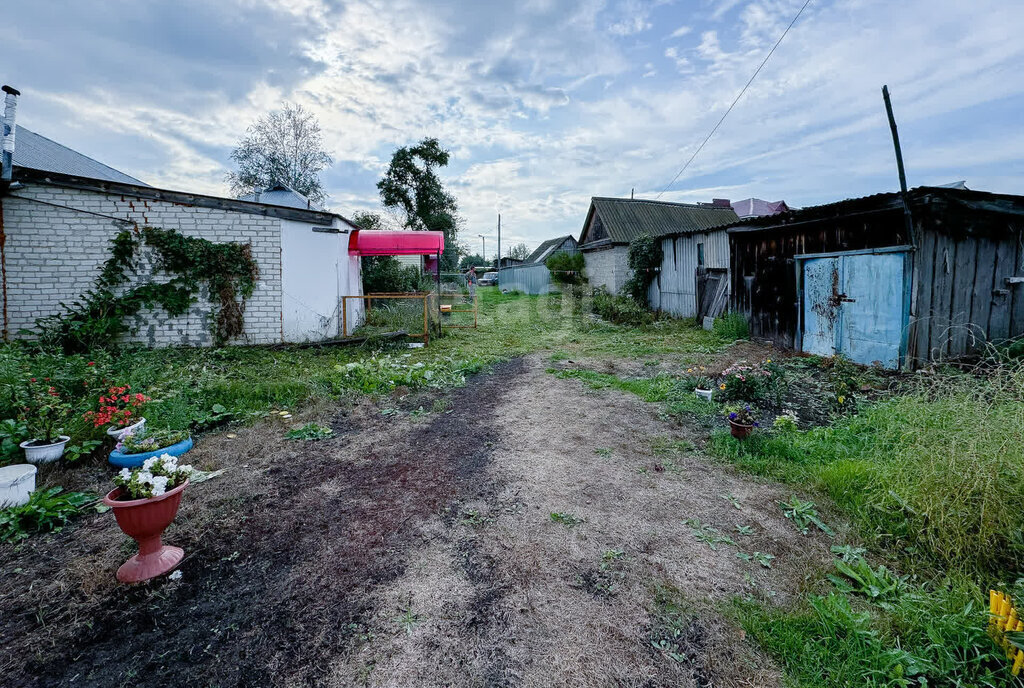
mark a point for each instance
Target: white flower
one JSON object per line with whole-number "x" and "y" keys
{"x": 159, "y": 485}
{"x": 144, "y": 476}
{"x": 170, "y": 463}
{"x": 125, "y": 474}
{"x": 186, "y": 469}
{"x": 148, "y": 464}
{"x": 176, "y": 575}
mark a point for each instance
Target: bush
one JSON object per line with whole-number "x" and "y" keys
{"x": 567, "y": 268}
{"x": 621, "y": 310}
{"x": 761, "y": 382}
{"x": 384, "y": 274}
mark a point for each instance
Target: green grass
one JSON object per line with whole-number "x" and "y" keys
{"x": 927, "y": 636}
{"x": 936, "y": 475}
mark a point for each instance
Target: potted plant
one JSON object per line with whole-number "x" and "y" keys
{"x": 135, "y": 446}
{"x": 741, "y": 422}
{"x": 118, "y": 408}
{"x": 43, "y": 412}
{"x": 702, "y": 384}
{"x": 145, "y": 502}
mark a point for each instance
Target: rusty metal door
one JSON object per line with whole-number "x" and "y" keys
{"x": 857, "y": 304}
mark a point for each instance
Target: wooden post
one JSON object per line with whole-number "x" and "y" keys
{"x": 344, "y": 317}
{"x": 899, "y": 166}
{"x": 426, "y": 329}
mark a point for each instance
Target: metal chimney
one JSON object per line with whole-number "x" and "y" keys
{"x": 7, "y": 129}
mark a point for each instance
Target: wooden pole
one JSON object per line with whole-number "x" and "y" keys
{"x": 899, "y": 166}
{"x": 344, "y": 317}
{"x": 499, "y": 251}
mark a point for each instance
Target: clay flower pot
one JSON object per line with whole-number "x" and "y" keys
{"x": 144, "y": 520}
{"x": 740, "y": 431}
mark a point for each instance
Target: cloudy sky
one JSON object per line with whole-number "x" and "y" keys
{"x": 543, "y": 103}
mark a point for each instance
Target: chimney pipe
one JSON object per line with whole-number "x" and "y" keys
{"x": 7, "y": 129}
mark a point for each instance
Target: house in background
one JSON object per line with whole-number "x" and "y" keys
{"x": 62, "y": 208}
{"x": 755, "y": 207}
{"x": 613, "y": 222}
{"x": 548, "y": 248}
{"x": 532, "y": 275}
{"x": 847, "y": 278}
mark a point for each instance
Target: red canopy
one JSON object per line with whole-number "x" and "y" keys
{"x": 391, "y": 242}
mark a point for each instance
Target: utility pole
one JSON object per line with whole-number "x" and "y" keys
{"x": 499, "y": 249}
{"x": 899, "y": 166}
{"x": 483, "y": 247}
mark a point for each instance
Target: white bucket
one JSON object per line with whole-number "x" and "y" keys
{"x": 44, "y": 453}
{"x": 16, "y": 484}
{"x": 703, "y": 393}
{"x": 117, "y": 433}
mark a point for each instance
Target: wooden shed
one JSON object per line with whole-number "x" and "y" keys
{"x": 846, "y": 277}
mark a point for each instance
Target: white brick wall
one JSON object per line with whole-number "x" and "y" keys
{"x": 608, "y": 267}
{"x": 53, "y": 254}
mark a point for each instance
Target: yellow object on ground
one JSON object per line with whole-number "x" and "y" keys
{"x": 1003, "y": 617}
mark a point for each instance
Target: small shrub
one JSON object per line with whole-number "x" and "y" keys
{"x": 620, "y": 310}
{"x": 566, "y": 268}
{"x": 760, "y": 382}
{"x": 644, "y": 259}
{"x": 46, "y": 511}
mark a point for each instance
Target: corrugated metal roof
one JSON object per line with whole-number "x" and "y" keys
{"x": 540, "y": 254}
{"x": 967, "y": 198}
{"x": 280, "y": 195}
{"x": 36, "y": 152}
{"x": 757, "y": 207}
{"x": 625, "y": 219}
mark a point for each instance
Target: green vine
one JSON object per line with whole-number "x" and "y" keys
{"x": 644, "y": 258}
{"x": 97, "y": 318}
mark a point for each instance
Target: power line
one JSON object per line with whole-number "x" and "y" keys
{"x": 744, "y": 90}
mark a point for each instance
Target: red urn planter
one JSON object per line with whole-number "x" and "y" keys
{"x": 740, "y": 431}
{"x": 144, "y": 520}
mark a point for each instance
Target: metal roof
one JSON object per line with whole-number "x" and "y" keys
{"x": 625, "y": 219}
{"x": 280, "y": 195}
{"x": 540, "y": 254}
{"x": 968, "y": 199}
{"x": 36, "y": 152}
{"x": 756, "y": 207}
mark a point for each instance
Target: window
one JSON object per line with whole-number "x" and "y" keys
{"x": 700, "y": 255}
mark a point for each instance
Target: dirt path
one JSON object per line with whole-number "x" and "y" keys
{"x": 422, "y": 551}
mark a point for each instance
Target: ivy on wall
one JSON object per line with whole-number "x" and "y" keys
{"x": 98, "y": 317}
{"x": 644, "y": 258}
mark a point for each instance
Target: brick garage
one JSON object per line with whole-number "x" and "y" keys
{"x": 56, "y": 234}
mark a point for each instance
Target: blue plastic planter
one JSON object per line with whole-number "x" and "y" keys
{"x": 135, "y": 460}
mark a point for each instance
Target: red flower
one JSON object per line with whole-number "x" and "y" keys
{"x": 91, "y": 363}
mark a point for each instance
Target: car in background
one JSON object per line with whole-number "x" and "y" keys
{"x": 489, "y": 279}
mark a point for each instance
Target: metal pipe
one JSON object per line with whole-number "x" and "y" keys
{"x": 8, "y": 131}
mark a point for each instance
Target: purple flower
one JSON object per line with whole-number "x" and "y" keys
{"x": 756, "y": 424}
{"x": 732, "y": 415}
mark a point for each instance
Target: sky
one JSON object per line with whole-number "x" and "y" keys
{"x": 542, "y": 103}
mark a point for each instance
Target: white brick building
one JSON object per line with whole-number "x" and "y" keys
{"x": 62, "y": 209}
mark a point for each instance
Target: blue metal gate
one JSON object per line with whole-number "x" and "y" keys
{"x": 856, "y": 303}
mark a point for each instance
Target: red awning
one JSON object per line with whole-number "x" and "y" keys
{"x": 391, "y": 242}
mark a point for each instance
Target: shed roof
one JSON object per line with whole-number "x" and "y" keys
{"x": 957, "y": 197}
{"x": 541, "y": 253}
{"x": 625, "y": 219}
{"x": 756, "y": 207}
{"x": 36, "y": 152}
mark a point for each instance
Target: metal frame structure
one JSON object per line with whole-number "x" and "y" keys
{"x": 425, "y": 296}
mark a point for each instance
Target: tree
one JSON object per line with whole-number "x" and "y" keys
{"x": 472, "y": 261}
{"x": 566, "y": 268}
{"x": 282, "y": 147}
{"x": 519, "y": 252}
{"x": 412, "y": 186}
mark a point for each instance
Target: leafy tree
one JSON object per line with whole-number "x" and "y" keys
{"x": 519, "y": 252}
{"x": 412, "y": 186}
{"x": 282, "y": 147}
{"x": 472, "y": 261}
